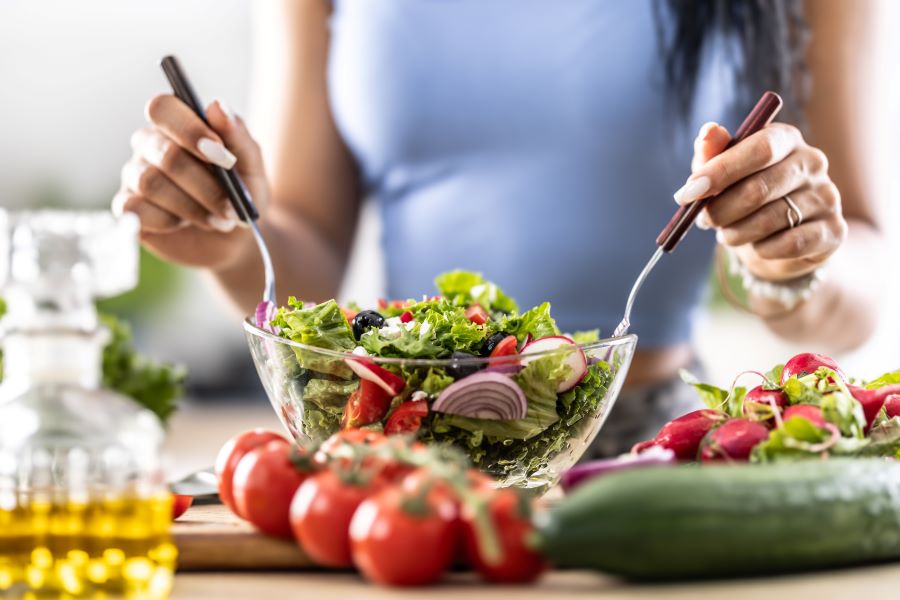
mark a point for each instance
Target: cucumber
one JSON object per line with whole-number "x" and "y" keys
{"x": 665, "y": 523}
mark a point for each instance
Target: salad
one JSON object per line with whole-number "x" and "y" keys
{"x": 511, "y": 415}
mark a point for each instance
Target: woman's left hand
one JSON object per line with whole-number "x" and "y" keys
{"x": 760, "y": 186}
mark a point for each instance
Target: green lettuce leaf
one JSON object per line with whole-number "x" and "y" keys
{"x": 322, "y": 326}
{"x": 586, "y": 337}
{"x": 465, "y": 288}
{"x": 886, "y": 379}
{"x": 536, "y": 322}
{"x": 716, "y": 398}
{"x": 800, "y": 392}
{"x": 791, "y": 441}
{"x": 884, "y": 440}
{"x": 328, "y": 393}
{"x": 845, "y": 412}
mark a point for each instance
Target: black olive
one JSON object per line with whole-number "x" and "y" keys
{"x": 365, "y": 319}
{"x": 458, "y": 371}
{"x": 492, "y": 342}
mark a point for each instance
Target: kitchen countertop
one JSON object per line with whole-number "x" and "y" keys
{"x": 197, "y": 432}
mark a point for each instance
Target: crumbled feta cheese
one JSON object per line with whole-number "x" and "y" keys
{"x": 418, "y": 395}
{"x": 360, "y": 351}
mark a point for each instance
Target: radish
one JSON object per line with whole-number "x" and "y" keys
{"x": 684, "y": 434}
{"x": 368, "y": 370}
{"x": 574, "y": 358}
{"x": 811, "y": 413}
{"x": 484, "y": 395}
{"x": 892, "y": 406}
{"x": 873, "y": 400}
{"x": 733, "y": 440}
{"x": 804, "y": 364}
{"x": 761, "y": 404}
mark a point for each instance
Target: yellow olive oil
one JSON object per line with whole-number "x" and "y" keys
{"x": 118, "y": 547}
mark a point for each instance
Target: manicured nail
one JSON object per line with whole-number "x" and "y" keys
{"x": 693, "y": 189}
{"x": 226, "y": 109}
{"x": 705, "y": 129}
{"x": 216, "y": 153}
{"x": 230, "y": 213}
{"x": 702, "y": 221}
{"x": 720, "y": 237}
{"x": 220, "y": 224}
{"x": 118, "y": 204}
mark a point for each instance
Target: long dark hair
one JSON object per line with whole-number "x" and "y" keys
{"x": 771, "y": 34}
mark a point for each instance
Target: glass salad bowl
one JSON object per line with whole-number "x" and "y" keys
{"x": 310, "y": 387}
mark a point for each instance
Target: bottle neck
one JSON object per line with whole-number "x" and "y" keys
{"x": 35, "y": 358}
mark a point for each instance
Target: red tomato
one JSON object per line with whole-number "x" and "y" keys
{"x": 231, "y": 454}
{"x": 348, "y": 313}
{"x": 518, "y": 563}
{"x": 506, "y": 347}
{"x": 406, "y": 317}
{"x": 352, "y": 436}
{"x": 320, "y": 516}
{"x": 180, "y": 504}
{"x": 366, "y": 405}
{"x": 404, "y": 539}
{"x": 477, "y": 314}
{"x": 406, "y": 418}
{"x": 264, "y": 484}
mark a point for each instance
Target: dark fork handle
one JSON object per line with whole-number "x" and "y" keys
{"x": 761, "y": 115}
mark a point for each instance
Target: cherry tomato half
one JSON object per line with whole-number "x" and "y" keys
{"x": 366, "y": 405}
{"x": 180, "y": 504}
{"x": 406, "y": 418}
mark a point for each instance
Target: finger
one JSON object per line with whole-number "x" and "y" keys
{"x": 183, "y": 169}
{"x": 816, "y": 238}
{"x": 238, "y": 139}
{"x": 749, "y": 195}
{"x": 148, "y": 181}
{"x": 760, "y": 150}
{"x": 711, "y": 141}
{"x": 153, "y": 218}
{"x": 773, "y": 218}
{"x": 179, "y": 122}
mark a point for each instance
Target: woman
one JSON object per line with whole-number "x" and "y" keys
{"x": 537, "y": 142}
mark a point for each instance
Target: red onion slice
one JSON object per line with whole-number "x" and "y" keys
{"x": 265, "y": 312}
{"x": 484, "y": 395}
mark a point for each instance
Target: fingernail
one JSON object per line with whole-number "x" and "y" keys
{"x": 720, "y": 237}
{"x": 118, "y": 204}
{"x": 225, "y": 109}
{"x": 692, "y": 190}
{"x": 702, "y": 221}
{"x": 216, "y": 153}
{"x": 220, "y": 224}
{"x": 705, "y": 129}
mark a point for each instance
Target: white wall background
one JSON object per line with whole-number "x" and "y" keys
{"x": 74, "y": 77}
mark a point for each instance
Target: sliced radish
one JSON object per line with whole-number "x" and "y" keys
{"x": 574, "y": 358}
{"x": 484, "y": 395}
{"x": 368, "y": 370}
{"x": 477, "y": 314}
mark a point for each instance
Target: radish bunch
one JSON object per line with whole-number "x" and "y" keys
{"x": 805, "y": 408}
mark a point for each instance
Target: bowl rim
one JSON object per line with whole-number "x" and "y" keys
{"x": 605, "y": 343}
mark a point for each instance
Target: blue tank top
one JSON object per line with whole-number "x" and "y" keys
{"x": 529, "y": 140}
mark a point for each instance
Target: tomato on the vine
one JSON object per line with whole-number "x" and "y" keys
{"x": 401, "y": 538}
{"x": 510, "y": 514}
{"x": 232, "y": 453}
{"x": 321, "y": 512}
{"x": 264, "y": 484}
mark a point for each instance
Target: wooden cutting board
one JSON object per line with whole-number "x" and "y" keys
{"x": 211, "y": 538}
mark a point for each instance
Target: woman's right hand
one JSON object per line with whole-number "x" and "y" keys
{"x": 185, "y": 214}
